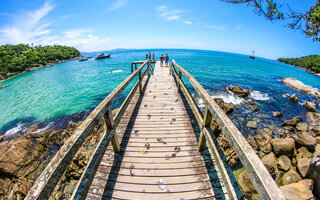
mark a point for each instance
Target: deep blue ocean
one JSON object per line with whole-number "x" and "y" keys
{"x": 67, "y": 92}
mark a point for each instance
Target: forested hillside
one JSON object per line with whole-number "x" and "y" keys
{"x": 15, "y": 59}
{"x": 311, "y": 63}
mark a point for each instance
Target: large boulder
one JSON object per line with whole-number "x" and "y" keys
{"x": 263, "y": 143}
{"x": 303, "y": 166}
{"x": 284, "y": 163}
{"x": 314, "y": 173}
{"x": 246, "y": 185}
{"x": 300, "y": 86}
{"x": 226, "y": 107}
{"x": 283, "y": 146}
{"x": 238, "y": 91}
{"x": 18, "y": 153}
{"x": 270, "y": 163}
{"x": 303, "y": 152}
{"x": 302, "y": 127}
{"x": 301, "y": 190}
{"x": 291, "y": 176}
{"x": 294, "y": 98}
{"x": 310, "y": 106}
{"x": 306, "y": 140}
{"x": 292, "y": 122}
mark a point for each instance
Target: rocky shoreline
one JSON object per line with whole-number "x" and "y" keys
{"x": 290, "y": 152}
{"x": 292, "y": 157}
{"x": 39, "y": 67}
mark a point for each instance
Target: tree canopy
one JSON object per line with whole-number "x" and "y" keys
{"x": 308, "y": 22}
{"x": 311, "y": 63}
{"x": 15, "y": 59}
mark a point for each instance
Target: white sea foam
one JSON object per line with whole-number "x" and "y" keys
{"x": 15, "y": 130}
{"x": 257, "y": 95}
{"x": 116, "y": 71}
{"x": 228, "y": 97}
{"x": 44, "y": 128}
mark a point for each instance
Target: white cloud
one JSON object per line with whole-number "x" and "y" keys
{"x": 118, "y": 4}
{"x": 27, "y": 27}
{"x": 219, "y": 28}
{"x": 187, "y": 22}
{"x": 168, "y": 14}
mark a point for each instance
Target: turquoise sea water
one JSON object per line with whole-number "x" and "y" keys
{"x": 68, "y": 91}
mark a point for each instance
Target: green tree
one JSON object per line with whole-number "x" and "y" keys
{"x": 308, "y": 22}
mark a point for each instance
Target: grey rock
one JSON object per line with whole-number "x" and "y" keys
{"x": 314, "y": 173}
{"x": 277, "y": 114}
{"x": 284, "y": 163}
{"x": 294, "y": 98}
{"x": 310, "y": 106}
{"x": 303, "y": 166}
{"x": 304, "y": 139}
{"x": 252, "y": 124}
{"x": 301, "y": 190}
{"x": 283, "y": 146}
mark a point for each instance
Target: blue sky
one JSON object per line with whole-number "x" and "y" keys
{"x": 109, "y": 24}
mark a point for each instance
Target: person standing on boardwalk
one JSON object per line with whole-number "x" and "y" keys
{"x": 161, "y": 60}
{"x": 149, "y": 55}
{"x": 167, "y": 60}
{"x": 146, "y": 56}
{"x": 153, "y": 56}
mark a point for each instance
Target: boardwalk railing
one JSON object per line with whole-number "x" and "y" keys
{"x": 257, "y": 172}
{"x": 48, "y": 179}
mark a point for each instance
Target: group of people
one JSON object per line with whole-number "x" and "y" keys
{"x": 165, "y": 59}
{"x": 148, "y": 56}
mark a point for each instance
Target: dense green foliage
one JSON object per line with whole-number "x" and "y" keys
{"x": 15, "y": 59}
{"x": 308, "y": 62}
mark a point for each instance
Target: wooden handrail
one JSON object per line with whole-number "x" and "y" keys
{"x": 257, "y": 172}
{"x": 50, "y": 176}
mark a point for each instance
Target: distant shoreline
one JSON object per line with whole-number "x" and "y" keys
{"x": 39, "y": 67}
{"x": 317, "y": 74}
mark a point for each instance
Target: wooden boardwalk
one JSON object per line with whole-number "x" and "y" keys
{"x": 155, "y": 153}
{"x": 160, "y": 158}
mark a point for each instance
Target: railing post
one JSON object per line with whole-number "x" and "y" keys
{"x": 171, "y": 69}
{"x": 140, "y": 82}
{"x": 109, "y": 122}
{"x": 207, "y": 117}
{"x": 135, "y": 66}
{"x": 131, "y": 67}
{"x": 179, "y": 80}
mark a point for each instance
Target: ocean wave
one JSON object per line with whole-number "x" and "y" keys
{"x": 115, "y": 71}
{"x": 257, "y": 95}
{"x": 228, "y": 97}
{"x": 44, "y": 128}
{"x": 15, "y": 130}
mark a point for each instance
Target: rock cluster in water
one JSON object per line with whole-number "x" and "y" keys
{"x": 293, "y": 158}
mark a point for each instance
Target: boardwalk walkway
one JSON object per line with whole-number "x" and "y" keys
{"x": 153, "y": 152}
{"x": 159, "y": 150}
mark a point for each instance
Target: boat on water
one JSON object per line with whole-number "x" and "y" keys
{"x": 102, "y": 55}
{"x": 252, "y": 55}
{"x": 88, "y": 56}
{"x": 83, "y": 59}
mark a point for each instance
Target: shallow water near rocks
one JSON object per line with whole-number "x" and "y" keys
{"x": 54, "y": 95}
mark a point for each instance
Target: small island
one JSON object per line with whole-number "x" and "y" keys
{"x": 310, "y": 63}
{"x": 16, "y": 59}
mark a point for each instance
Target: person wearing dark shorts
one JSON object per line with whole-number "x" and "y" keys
{"x": 161, "y": 60}
{"x": 146, "y": 56}
{"x": 149, "y": 56}
{"x": 167, "y": 60}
